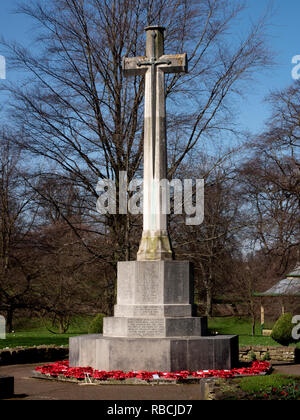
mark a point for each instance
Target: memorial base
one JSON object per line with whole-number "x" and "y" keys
{"x": 154, "y": 327}
{"x": 154, "y": 354}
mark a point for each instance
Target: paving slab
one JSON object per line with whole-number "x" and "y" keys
{"x": 287, "y": 369}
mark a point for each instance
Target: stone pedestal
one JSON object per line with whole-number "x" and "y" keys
{"x": 155, "y": 299}
{"x": 154, "y": 354}
{"x": 154, "y": 327}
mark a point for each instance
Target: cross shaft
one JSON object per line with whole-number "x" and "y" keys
{"x": 155, "y": 243}
{"x": 153, "y": 63}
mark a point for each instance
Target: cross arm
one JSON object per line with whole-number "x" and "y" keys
{"x": 177, "y": 63}
{"x": 131, "y": 67}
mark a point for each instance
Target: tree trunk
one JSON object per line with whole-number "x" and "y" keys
{"x": 253, "y": 325}
{"x": 209, "y": 307}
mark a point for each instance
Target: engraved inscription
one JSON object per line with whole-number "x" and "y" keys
{"x": 146, "y": 327}
{"x": 153, "y": 311}
{"x": 148, "y": 311}
{"x": 148, "y": 288}
{"x": 139, "y": 311}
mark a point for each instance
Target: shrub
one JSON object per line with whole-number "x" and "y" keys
{"x": 252, "y": 356}
{"x": 282, "y": 330}
{"x": 96, "y": 326}
{"x": 266, "y": 357}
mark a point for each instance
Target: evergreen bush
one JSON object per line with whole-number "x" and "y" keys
{"x": 96, "y": 325}
{"x": 282, "y": 330}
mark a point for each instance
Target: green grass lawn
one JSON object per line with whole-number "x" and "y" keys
{"x": 242, "y": 328}
{"x": 257, "y": 384}
{"x": 269, "y": 387}
{"x": 273, "y": 387}
{"x": 32, "y": 332}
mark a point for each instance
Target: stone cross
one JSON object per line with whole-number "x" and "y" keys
{"x": 153, "y": 317}
{"x": 155, "y": 244}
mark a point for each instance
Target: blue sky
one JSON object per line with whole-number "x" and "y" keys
{"x": 284, "y": 40}
{"x": 283, "y": 36}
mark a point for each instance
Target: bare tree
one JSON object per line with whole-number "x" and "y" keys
{"x": 214, "y": 245}
{"x": 80, "y": 115}
{"x": 271, "y": 178}
{"x": 17, "y": 216}
{"x": 282, "y": 139}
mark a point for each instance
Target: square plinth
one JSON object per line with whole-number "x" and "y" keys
{"x": 147, "y": 289}
{"x": 154, "y": 327}
{"x": 154, "y": 354}
{"x": 155, "y": 283}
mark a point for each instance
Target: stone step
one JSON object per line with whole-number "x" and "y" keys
{"x": 153, "y": 311}
{"x": 154, "y": 354}
{"x": 155, "y": 327}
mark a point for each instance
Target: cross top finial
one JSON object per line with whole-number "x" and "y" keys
{"x": 155, "y": 28}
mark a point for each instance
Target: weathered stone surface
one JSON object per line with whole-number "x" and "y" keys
{"x": 155, "y": 283}
{"x": 83, "y": 348}
{"x": 276, "y": 353}
{"x": 166, "y": 354}
{"x": 154, "y": 299}
{"x": 154, "y": 327}
{"x": 141, "y": 335}
{"x": 152, "y": 311}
